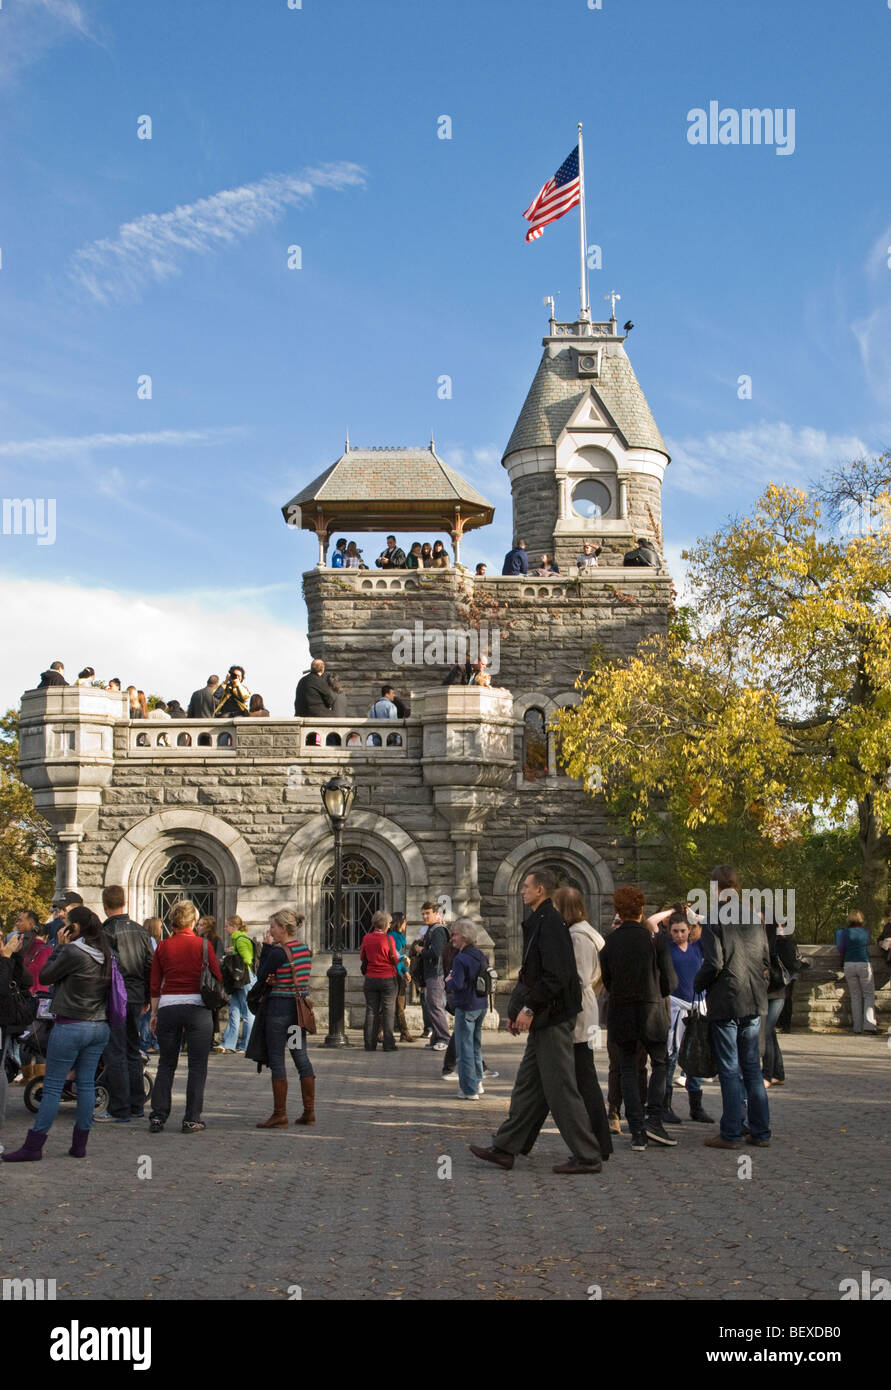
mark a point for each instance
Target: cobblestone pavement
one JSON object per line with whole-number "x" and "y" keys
{"x": 354, "y": 1208}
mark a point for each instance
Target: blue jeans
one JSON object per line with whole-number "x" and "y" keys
{"x": 469, "y": 1047}
{"x": 735, "y": 1042}
{"x": 238, "y": 1011}
{"x": 281, "y": 1017}
{"x": 78, "y": 1045}
{"x": 147, "y": 1038}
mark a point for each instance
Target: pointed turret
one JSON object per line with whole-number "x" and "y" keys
{"x": 586, "y": 459}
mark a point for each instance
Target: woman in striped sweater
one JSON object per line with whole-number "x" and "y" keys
{"x": 286, "y": 960}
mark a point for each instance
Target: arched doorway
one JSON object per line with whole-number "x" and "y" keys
{"x": 362, "y": 895}
{"x": 185, "y": 877}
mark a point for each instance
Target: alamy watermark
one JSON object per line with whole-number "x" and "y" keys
{"x": 436, "y": 646}
{"x": 29, "y": 1290}
{"x": 726, "y": 125}
{"x": 30, "y": 516}
{"x": 737, "y": 908}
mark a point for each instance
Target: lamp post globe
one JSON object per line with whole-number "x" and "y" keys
{"x": 337, "y": 799}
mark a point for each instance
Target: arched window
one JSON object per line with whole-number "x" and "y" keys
{"x": 332, "y": 741}
{"x": 394, "y": 740}
{"x": 313, "y": 740}
{"x": 224, "y": 740}
{"x": 205, "y": 741}
{"x": 163, "y": 741}
{"x": 185, "y": 877}
{"x": 362, "y": 895}
{"x": 184, "y": 740}
{"x": 374, "y": 741}
{"x": 142, "y": 741}
{"x": 354, "y": 740}
{"x": 535, "y": 745}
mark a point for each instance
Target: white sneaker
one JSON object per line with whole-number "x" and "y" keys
{"x": 462, "y": 1096}
{"x": 440, "y": 1047}
{"x": 491, "y": 1074}
{"x": 480, "y": 1091}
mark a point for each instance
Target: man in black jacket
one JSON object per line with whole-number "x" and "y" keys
{"x": 545, "y": 1003}
{"x": 314, "y": 697}
{"x": 54, "y": 676}
{"x": 734, "y": 971}
{"x": 132, "y": 947}
{"x": 203, "y": 704}
{"x": 644, "y": 553}
{"x": 435, "y": 941}
{"x": 638, "y": 976}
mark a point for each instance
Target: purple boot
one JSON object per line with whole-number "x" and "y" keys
{"x": 79, "y": 1143}
{"x": 31, "y": 1150}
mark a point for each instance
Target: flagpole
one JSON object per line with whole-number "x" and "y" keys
{"x": 585, "y": 314}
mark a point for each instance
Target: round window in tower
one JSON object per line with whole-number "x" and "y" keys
{"x": 591, "y": 499}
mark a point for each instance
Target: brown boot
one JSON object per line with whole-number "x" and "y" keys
{"x": 279, "y": 1117}
{"x": 308, "y": 1092}
{"x": 613, "y": 1121}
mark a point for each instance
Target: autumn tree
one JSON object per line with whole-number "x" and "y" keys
{"x": 776, "y": 691}
{"x": 27, "y": 873}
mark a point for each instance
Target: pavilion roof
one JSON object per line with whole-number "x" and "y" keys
{"x": 400, "y": 489}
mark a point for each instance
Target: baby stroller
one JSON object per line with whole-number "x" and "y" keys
{"x": 34, "y": 1088}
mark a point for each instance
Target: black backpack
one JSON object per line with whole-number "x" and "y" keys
{"x": 234, "y": 970}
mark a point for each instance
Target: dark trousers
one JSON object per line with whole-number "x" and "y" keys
{"x": 401, "y": 1020}
{"x": 592, "y": 1097}
{"x": 178, "y": 1023}
{"x": 546, "y": 1081}
{"x": 380, "y": 1006}
{"x": 283, "y": 1031}
{"x": 123, "y": 1067}
{"x": 614, "y": 1082}
{"x": 630, "y": 1074}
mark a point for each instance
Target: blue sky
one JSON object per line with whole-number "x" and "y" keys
{"x": 318, "y": 127}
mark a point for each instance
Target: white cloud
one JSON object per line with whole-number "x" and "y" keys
{"x": 728, "y": 462}
{"x": 32, "y": 27}
{"x": 166, "y": 644}
{"x": 64, "y": 446}
{"x": 152, "y": 248}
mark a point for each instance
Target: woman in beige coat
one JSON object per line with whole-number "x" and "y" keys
{"x": 587, "y": 944}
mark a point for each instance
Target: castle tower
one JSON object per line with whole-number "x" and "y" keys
{"x": 586, "y": 459}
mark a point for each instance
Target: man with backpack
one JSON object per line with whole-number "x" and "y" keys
{"x": 132, "y": 948}
{"x": 238, "y": 971}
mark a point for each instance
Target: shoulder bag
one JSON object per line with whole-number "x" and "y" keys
{"x": 213, "y": 996}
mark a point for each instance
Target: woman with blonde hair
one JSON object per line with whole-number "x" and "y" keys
{"x": 179, "y": 1015}
{"x": 135, "y": 710}
{"x": 285, "y": 964}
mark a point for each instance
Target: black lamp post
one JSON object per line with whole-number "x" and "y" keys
{"x": 337, "y": 798}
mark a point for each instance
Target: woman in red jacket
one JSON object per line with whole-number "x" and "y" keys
{"x": 380, "y": 962}
{"x": 178, "y": 1013}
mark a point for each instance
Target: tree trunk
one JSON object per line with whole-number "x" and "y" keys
{"x": 875, "y": 846}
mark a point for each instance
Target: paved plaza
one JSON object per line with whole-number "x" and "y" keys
{"x": 363, "y": 1206}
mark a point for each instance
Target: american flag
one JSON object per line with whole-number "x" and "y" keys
{"x": 558, "y": 195}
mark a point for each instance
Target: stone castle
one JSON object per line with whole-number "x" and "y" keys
{"x": 462, "y": 797}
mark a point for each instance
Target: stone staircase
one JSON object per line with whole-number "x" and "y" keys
{"x": 821, "y": 1004}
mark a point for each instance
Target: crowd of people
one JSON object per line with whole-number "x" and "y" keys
{"x": 81, "y": 996}
{"x": 516, "y": 561}
{"x": 216, "y": 699}
{"x": 422, "y": 555}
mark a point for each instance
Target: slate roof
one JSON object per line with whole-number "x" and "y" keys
{"x": 557, "y": 390}
{"x": 393, "y": 483}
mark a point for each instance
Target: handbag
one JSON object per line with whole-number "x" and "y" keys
{"x": 18, "y": 1010}
{"x": 306, "y": 1018}
{"x": 695, "y": 1055}
{"x": 213, "y": 996}
{"x": 117, "y": 998}
{"x": 778, "y": 976}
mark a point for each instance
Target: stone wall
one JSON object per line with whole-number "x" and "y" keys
{"x": 535, "y": 512}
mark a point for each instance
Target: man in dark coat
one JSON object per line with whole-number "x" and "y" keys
{"x": 734, "y": 971}
{"x": 393, "y": 558}
{"x": 54, "y": 676}
{"x": 644, "y": 553}
{"x": 202, "y": 704}
{"x": 638, "y": 976}
{"x": 132, "y": 947}
{"x": 516, "y": 561}
{"x": 314, "y": 697}
{"x": 545, "y": 1004}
